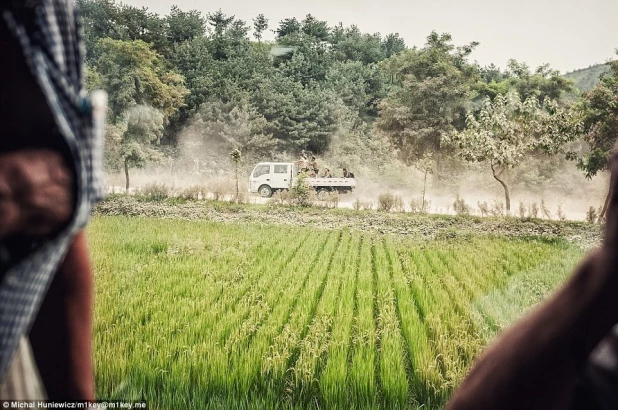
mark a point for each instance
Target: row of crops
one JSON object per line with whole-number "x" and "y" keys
{"x": 212, "y": 315}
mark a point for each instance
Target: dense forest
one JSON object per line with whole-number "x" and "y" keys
{"x": 189, "y": 88}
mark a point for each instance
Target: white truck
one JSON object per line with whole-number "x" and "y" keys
{"x": 269, "y": 177}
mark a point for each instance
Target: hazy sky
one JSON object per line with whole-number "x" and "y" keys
{"x": 567, "y": 34}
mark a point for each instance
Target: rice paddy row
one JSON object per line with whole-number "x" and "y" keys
{"x": 197, "y": 314}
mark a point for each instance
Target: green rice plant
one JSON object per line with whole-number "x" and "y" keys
{"x": 392, "y": 368}
{"x": 332, "y": 379}
{"x": 361, "y": 376}
{"x": 204, "y": 314}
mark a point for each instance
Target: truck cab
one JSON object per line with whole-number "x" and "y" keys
{"x": 268, "y": 177}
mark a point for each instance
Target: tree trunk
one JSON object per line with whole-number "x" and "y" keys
{"x": 438, "y": 158}
{"x": 126, "y": 174}
{"x": 424, "y": 187}
{"x": 507, "y": 194}
{"x": 237, "y": 191}
{"x": 604, "y": 210}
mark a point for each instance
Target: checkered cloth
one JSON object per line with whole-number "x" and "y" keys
{"x": 50, "y": 39}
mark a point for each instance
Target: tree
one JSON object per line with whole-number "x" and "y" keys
{"x": 130, "y": 143}
{"x": 260, "y": 25}
{"x": 431, "y": 89}
{"x": 224, "y": 127}
{"x": 287, "y": 27}
{"x": 184, "y": 25}
{"x": 507, "y": 131}
{"x": 359, "y": 86}
{"x": 236, "y": 157}
{"x": 599, "y": 115}
{"x": 298, "y": 117}
{"x": 426, "y": 166}
{"x": 350, "y": 44}
{"x": 393, "y": 44}
{"x": 315, "y": 28}
{"x": 193, "y": 59}
{"x": 543, "y": 83}
{"x": 98, "y": 21}
{"x": 133, "y": 73}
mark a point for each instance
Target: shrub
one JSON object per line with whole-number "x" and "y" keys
{"x": 398, "y": 204}
{"x": 332, "y": 199}
{"x": 243, "y": 197}
{"x": 545, "y": 209}
{"x": 460, "y": 207}
{"x": 560, "y": 213}
{"x": 219, "y": 188}
{"x": 497, "y": 209}
{"x": 302, "y": 193}
{"x": 522, "y": 209}
{"x": 533, "y": 210}
{"x": 418, "y": 207}
{"x": 357, "y": 205}
{"x": 592, "y": 215}
{"x": 367, "y": 205}
{"x": 156, "y": 192}
{"x": 386, "y": 201}
{"x": 192, "y": 193}
{"x": 483, "y": 208}
{"x": 282, "y": 197}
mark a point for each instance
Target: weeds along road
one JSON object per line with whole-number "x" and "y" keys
{"x": 416, "y": 227}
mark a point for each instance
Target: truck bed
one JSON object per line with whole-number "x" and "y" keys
{"x": 331, "y": 182}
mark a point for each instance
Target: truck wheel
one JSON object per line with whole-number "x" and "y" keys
{"x": 265, "y": 191}
{"x": 323, "y": 193}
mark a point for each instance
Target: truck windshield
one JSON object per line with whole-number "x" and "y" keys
{"x": 261, "y": 170}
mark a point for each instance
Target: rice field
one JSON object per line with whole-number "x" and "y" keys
{"x": 198, "y": 314}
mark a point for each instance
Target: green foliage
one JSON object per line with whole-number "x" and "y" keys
{"x": 349, "y": 44}
{"x": 134, "y": 74}
{"x": 386, "y": 201}
{"x": 224, "y": 127}
{"x": 302, "y": 192}
{"x": 393, "y": 44}
{"x": 184, "y": 25}
{"x": 543, "y": 83}
{"x": 461, "y": 207}
{"x": 298, "y": 117}
{"x": 260, "y": 24}
{"x": 431, "y": 89}
{"x": 320, "y": 88}
{"x": 359, "y": 86}
{"x": 144, "y": 128}
{"x": 592, "y": 215}
{"x": 599, "y": 114}
{"x": 508, "y": 130}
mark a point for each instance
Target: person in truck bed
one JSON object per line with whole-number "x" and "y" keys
{"x": 347, "y": 174}
{"x": 326, "y": 173}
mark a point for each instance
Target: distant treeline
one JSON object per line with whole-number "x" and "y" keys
{"x": 312, "y": 85}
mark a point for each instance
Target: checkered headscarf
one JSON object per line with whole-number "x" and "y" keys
{"x": 49, "y": 37}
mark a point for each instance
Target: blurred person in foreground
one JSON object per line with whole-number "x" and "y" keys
{"x": 50, "y": 136}
{"x": 565, "y": 354}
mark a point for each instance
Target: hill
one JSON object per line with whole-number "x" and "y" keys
{"x": 586, "y": 78}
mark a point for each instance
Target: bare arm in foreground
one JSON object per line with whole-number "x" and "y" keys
{"x": 538, "y": 362}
